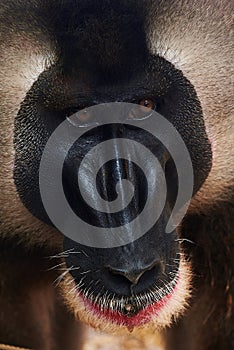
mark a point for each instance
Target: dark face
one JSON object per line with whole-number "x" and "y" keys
{"x": 102, "y": 57}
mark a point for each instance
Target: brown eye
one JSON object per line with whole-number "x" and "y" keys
{"x": 146, "y": 102}
{"x": 142, "y": 110}
{"x": 83, "y": 118}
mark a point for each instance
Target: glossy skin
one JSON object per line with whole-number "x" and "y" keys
{"x": 82, "y": 55}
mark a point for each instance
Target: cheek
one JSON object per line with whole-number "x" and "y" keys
{"x": 211, "y": 141}
{"x": 213, "y": 147}
{"x": 12, "y": 165}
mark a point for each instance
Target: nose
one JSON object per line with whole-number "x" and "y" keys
{"x": 133, "y": 276}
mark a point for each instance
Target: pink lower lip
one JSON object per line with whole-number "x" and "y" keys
{"x": 141, "y": 318}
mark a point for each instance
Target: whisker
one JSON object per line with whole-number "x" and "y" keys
{"x": 85, "y": 272}
{"x": 56, "y": 266}
{"x": 61, "y": 277}
{"x": 182, "y": 240}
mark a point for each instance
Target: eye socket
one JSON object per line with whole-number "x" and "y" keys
{"x": 143, "y": 110}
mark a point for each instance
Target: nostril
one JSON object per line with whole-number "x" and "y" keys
{"x": 133, "y": 275}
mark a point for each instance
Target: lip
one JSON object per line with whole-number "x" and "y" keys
{"x": 142, "y": 317}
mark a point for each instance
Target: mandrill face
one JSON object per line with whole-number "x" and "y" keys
{"x": 60, "y": 62}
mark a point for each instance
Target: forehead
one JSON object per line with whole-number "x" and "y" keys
{"x": 104, "y": 33}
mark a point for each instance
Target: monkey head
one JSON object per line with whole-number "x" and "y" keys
{"x": 60, "y": 61}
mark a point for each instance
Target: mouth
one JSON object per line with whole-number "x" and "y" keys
{"x": 155, "y": 306}
{"x": 130, "y": 294}
{"x": 133, "y": 311}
